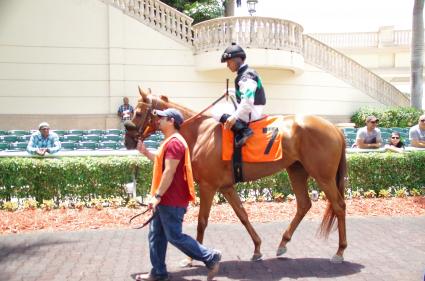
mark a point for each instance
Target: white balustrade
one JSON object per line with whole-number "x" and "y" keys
{"x": 251, "y": 32}
{"x": 159, "y": 16}
{"x": 324, "y": 57}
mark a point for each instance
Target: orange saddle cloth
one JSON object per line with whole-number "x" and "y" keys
{"x": 265, "y": 145}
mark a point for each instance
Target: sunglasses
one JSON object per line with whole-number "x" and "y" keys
{"x": 373, "y": 122}
{"x": 395, "y": 138}
{"x": 422, "y": 120}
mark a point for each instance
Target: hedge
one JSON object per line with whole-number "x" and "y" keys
{"x": 86, "y": 177}
{"x": 71, "y": 177}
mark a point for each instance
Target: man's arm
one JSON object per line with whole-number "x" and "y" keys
{"x": 360, "y": 144}
{"x": 417, "y": 143}
{"x": 247, "y": 87}
{"x": 31, "y": 147}
{"x": 131, "y": 112}
{"x": 56, "y": 145}
{"x": 166, "y": 179}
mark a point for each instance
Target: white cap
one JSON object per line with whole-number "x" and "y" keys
{"x": 43, "y": 125}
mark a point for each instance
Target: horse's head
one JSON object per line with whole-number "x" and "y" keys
{"x": 144, "y": 122}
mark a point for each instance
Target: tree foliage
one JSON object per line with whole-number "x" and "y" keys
{"x": 199, "y": 10}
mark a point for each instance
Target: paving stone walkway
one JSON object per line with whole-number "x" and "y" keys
{"x": 379, "y": 248}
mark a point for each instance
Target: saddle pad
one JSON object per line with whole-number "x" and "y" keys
{"x": 265, "y": 145}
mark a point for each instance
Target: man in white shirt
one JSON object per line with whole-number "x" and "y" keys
{"x": 417, "y": 133}
{"x": 369, "y": 136}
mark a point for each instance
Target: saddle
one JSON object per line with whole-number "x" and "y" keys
{"x": 265, "y": 145}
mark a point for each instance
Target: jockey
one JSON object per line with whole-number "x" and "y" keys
{"x": 250, "y": 95}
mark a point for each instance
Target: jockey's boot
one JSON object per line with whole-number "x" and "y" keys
{"x": 242, "y": 133}
{"x": 240, "y": 129}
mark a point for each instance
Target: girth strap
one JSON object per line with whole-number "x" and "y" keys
{"x": 237, "y": 162}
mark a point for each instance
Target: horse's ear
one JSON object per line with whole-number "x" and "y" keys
{"x": 142, "y": 93}
{"x": 164, "y": 98}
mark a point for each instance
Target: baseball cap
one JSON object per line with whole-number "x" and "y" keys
{"x": 43, "y": 125}
{"x": 371, "y": 118}
{"x": 171, "y": 113}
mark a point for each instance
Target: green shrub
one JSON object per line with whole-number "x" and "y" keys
{"x": 81, "y": 179}
{"x": 71, "y": 177}
{"x": 389, "y": 117}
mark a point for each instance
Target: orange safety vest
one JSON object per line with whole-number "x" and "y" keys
{"x": 158, "y": 163}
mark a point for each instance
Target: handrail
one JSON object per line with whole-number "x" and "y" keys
{"x": 159, "y": 16}
{"x": 251, "y": 32}
{"x": 397, "y": 38}
{"x": 329, "y": 59}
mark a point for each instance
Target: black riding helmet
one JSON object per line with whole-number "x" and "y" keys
{"x": 233, "y": 51}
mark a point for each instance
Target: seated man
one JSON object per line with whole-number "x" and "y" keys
{"x": 369, "y": 136}
{"x": 417, "y": 133}
{"x": 43, "y": 141}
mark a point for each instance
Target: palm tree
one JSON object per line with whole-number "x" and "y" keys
{"x": 417, "y": 54}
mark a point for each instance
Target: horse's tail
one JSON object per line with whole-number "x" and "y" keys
{"x": 330, "y": 216}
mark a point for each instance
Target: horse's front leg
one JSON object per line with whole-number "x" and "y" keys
{"x": 206, "y": 196}
{"x": 233, "y": 198}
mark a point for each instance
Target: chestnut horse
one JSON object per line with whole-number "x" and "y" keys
{"x": 312, "y": 147}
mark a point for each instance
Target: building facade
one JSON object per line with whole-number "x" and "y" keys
{"x": 70, "y": 62}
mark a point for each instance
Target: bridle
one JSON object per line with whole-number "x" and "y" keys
{"x": 146, "y": 118}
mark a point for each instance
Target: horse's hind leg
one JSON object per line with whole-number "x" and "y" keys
{"x": 298, "y": 177}
{"x": 336, "y": 207}
{"x": 233, "y": 198}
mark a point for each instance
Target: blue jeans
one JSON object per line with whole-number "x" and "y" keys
{"x": 167, "y": 227}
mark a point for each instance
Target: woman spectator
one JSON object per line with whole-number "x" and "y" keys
{"x": 394, "y": 143}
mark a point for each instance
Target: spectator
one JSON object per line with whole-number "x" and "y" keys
{"x": 173, "y": 188}
{"x": 125, "y": 111}
{"x": 394, "y": 143}
{"x": 369, "y": 136}
{"x": 417, "y": 133}
{"x": 43, "y": 141}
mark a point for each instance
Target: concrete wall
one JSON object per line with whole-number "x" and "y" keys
{"x": 70, "y": 62}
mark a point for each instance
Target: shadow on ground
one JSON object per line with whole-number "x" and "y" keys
{"x": 271, "y": 269}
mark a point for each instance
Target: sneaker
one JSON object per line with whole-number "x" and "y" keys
{"x": 150, "y": 277}
{"x": 213, "y": 269}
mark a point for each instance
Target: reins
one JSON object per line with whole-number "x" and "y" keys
{"x": 226, "y": 94}
{"x": 142, "y": 213}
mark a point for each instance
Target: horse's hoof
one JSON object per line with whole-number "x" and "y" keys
{"x": 257, "y": 257}
{"x": 280, "y": 251}
{"x": 186, "y": 263}
{"x": 337, "y": 259}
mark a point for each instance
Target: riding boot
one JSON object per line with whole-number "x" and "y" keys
{"x": 242, "y": 133}
{"x": 240, "y": 129}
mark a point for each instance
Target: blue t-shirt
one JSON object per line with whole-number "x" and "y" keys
{"x": 38, "y": 141}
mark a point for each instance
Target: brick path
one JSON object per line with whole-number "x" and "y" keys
{"x": 380, "y": 248}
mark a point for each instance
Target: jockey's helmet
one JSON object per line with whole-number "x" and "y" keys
{"x": 233, "y": 51}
